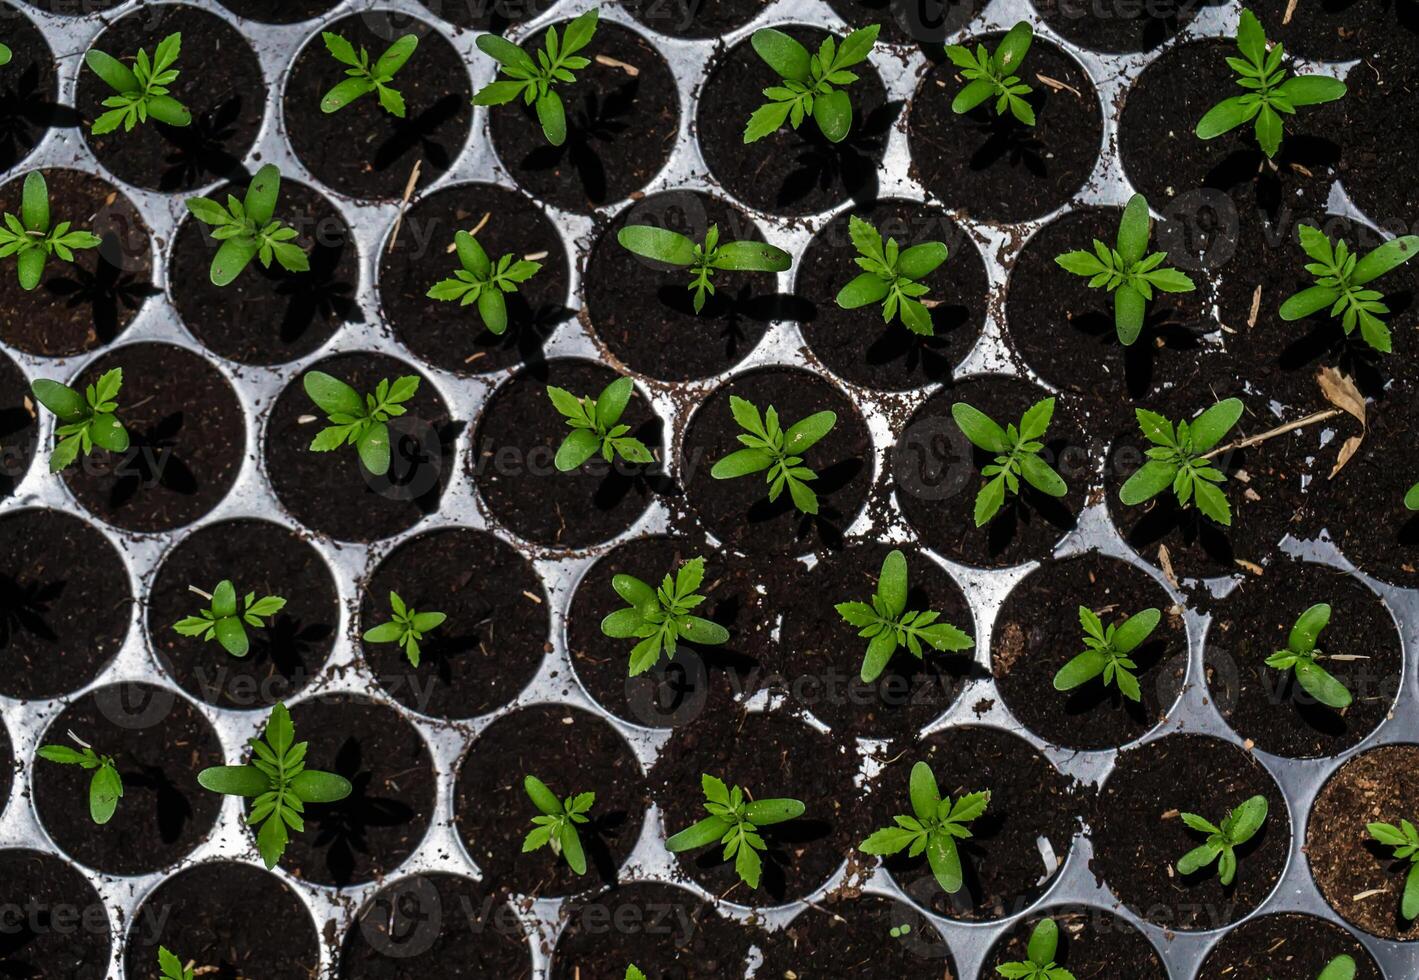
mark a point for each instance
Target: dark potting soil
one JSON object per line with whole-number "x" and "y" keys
{"x": 227, "y": 106}
{"x": 922, "y": 22}
{"x": 790, "y": 171}
{"x": 269, "y": 315}
{"x": 858, "y": 345}
{"x": 452, "y": 336}
{"x": 258, "y": 557}
{"x": 1092, "y": 943}
{"x": 60, "y": 927}
{"x": 769, "y": 755}
{"x": 488, "y": 15}
{"x": 28, "y": 90}
{"x": 186, "y": 440}
{"x": 1138, "y": 836}
{"x": 1288, "y": 944}
{"x": 822, "y": 654}
{"x": 74, "y": 8}
{"x": 87, "y": 303}
{"x": 693, "y": 18}
{"x": 936, "y": 474}
{"x": 493, "y": 640}
{"x": 515, "y": 446}
{"x": 278, "y": 11}
{"x": 643, "y": 312}
{"x": 1358, "y": 877}
{"x": 621, "y": 125}
{"x": 995, "y": 167}
{"x": 362, "y": 150}
{"x": 1339, "y": 32}
{"x": 8, "y": 766}
{"x": 572, "y": 751}
{"x": 1037, "y": 632}
{"x": 1004, "y": 864}
{"x": 19, "y": 426}
{"x": 369, "y": 833}
{"x": 65, "y": 606}
{"x": 1118, "y": 25}
{"x": 220, "y": 915}
{"x": 332, "y": 492}
{"x": 159, "y": 743}
{"x": 738, "y": 511}
{"x": 853, "y": 937}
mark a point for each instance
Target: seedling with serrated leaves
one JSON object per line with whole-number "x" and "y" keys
{"x": 633, "y": 972}
{"x": 105, "y": 786}
{"x": 1301, "y": 654}
{"x": 171, "y": 966}
{"x": 364, "y": 77}
{"x": 1128, "y": 270}
{"x": 556, "y": 826}
{"x": 1181, "y": 458}
{"x": 1270, "y": 94}
{"x": 140, "y": 91}
{"x": 705, "y": 259}
{"x": 934, "y": 828}
{"x": 1106, "y": 652}
{"x": 1339, "y": 275}
{"x": 483, "y": 281}
{"x": 891, "y": 276}
{"x": 359, "y": 422}
{"x": 30, "y": 238}
{"x": 995, "y": 75}
{"x": 1041, "y": 950}
{"x": 1404, "y": 839}
{"x": 226, "y": 620}
{"x": 406, "y": 628}
{"x": 248, "y": 229}
{"x": 278, "y": 782}
{"x": 1340, "y": 968}
{"x": 811, "y": 84}
{"x": 660, "y": 618}
{"x": 1238, "y": 827}
{"x": 536, "y": 81}
{"x": 734, "y": 820}
{"x": 768, "y": 447}
{"x": 887, "y": 624}
{"x": 1017, "y": 453}
{"x": 596, "y": 426}
{"x": 86, "y": 420}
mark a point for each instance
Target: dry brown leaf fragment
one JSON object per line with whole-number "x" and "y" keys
{"x": 1340, "y": 391}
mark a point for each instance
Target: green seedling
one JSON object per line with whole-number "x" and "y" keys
{"x": 660, "y": 618}
{"x": 556, "y": 825}
{"x": 1339, "y": 275}
{"x": 359, "y": 422}
{"x": 1404, "y": 839}
{"x": 86, "y": 420}
{"x": 596, "y": 426}
{"x": 278, "y": 782}
{"x": 891, "y": 277}
{"x": 901, "y": 931}
{"x": 1340, "y": 968}
{"x": 31, "y": 239}
{"x": 171, "y": 966}
{"x": 226, "y": 620}
{"x": 1106, "y": 652}
{"x": 887, "y": 624}
{"x": 1181, "y": 458}
{"x": 406, "y": 628}
{"x": 5, "y": 55}
{"x": 536, "y": 81}
{"x": 365, "y": 78}
{"x": 105, "y": 786}
{"x": 735, "y": 821}
{"x": 1239, "y": 826}
{"x": 483, "y": 281}
{"x": 768, "y": 447}
{"x": 1269, "y": 93}
{"x": 1041, "y": 950}
{"x": 702, "y": 260}
{"x": 140, "y": 91}
{"x": 633, "y": 972}
{"x": 1411, "y": 498}
{"x": 1301, "y": 654}
{"x": 810, "y": 84}
{"x": 248, "y": 230}
{"x": 934, "y": 828}
{"x": 995, "y": 75}
{"x": 1017, "y": 453}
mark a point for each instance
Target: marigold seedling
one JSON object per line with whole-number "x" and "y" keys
{"x": 5, "y": 55}
{"x": 406, "y": 628}
{"x": 483, "y": 281}
{"x": 1270, "y": 94}
{"x": 30, "y": 238}
{"x": 1340, "y": 968}
{"x": 890, "y": 276}
{"x": 105, "y": 786}
{"x": 1106, "y": 652}
{"x": 359, "y": 422}
{"x": 556, "y": 825}
{"x": 812, "y": 84}
{"x": 1404, "y": 839}
{"x": 171, "y": 966}
{"x": 1017, "y": 453}
{"x": 86, "y": 420}
{"x": 995, "y": 75}
{"x": 705, "y": 259}
{"x": 768, "y": 447}
{"x": 226, "y": 620}
{"x": 1238, "y": 827}
{"x": 1300, "y": 657}
{"x": 1041, "y": 950}
{"x": 734, "y": 821}
{"x": 248, "y": 229}
{"x": 365, "y": 78}
{"x": 536, "y": 81}
{"x": 596, "y": 426}
{"x": 140, "y": 91}
{"x": 279, "y": 782}
{"x": 633, "y": 972}
{"x": 1180, "y": 457}
{"x": 1339, "y": 275}
{"x": 660, "y": 618}
{"x": 934, "y": 828}
{"x": 887, "y": 624}
{"x": 1411, "y": 498}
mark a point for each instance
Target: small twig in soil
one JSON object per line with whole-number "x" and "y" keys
{"x": 205, "y": 595}
{"x": 404, "y": 203}
{"x": 1290, "y": 12}
{"x": 610, "y": 62}
{"x": 1261, "y": 437}
{"x": 1059, "y": 86}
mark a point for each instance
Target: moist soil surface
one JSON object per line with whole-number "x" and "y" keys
{"x": 852, "y": 937}
{"x": 1037, "y": 632}
{"x": 258, "y": 557}
{"x": 278, "y": 11}
{"x": 19, "y": 426}
{"x": 1138, "y": 835}
{"x": 572, "y": 751}
{"x": 159, "y": 743}
{"x": 1119, "y": 26}
{"x": 28, "y": 90}
{"x": 1340, "y": 32}
{"x": 488, "y": 15}
{"x": 494, "y": 638}
{"x": 1285, "y": 945}
{"x": 1092, "y": 943}
{"x": 693, "y": 18}
{"x": 1381, "y": 102}
{"x": 925, "y": 23}
{"x": 60, "y": 927}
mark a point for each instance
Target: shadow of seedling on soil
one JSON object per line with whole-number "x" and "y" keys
{"x": 1023, "y": 509}
{"x": 781, "y": 840}
{"x": 1162, "y": 325}
{"x": 151, "y": 461}
{"x": 1325, "y": 342}
{"x": 199, "y": 153}
{"x": 730, "y": 307}
{"x": 104, "y": 291}
{"x": 23, "y": 608}
{"x": 1315, "y": 154}
{"x": 830, "y": 521}
{"x": 1090, "y": 697}
{"x": 1004, "y": 140}
{"x": 527, "y": 332}
{"x": 592, "y": 118}
{"x": 417, "y": 132}
{"x": 316, "y": 295}
{"x": 853, "y": 162}
{"x": 341, "y": 828}
{"x": 26, "y": 113}
{"x": 171, "y": 807}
